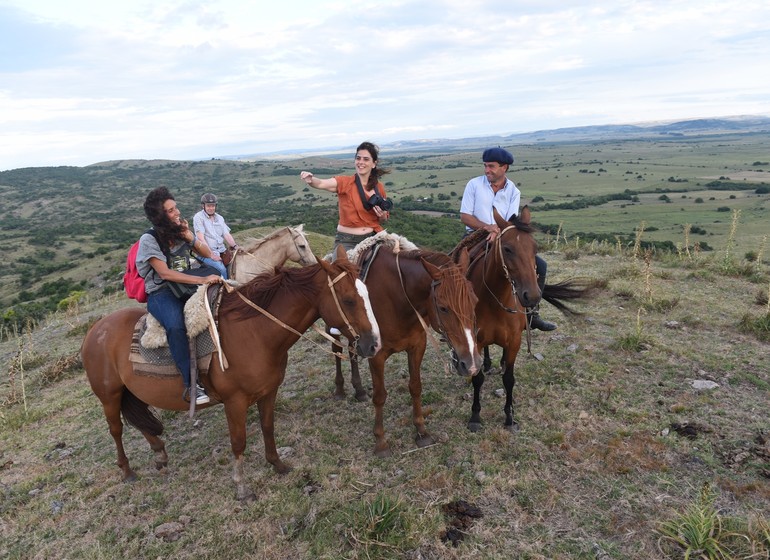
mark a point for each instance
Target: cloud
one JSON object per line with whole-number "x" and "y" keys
{"x": 85, "y": 81}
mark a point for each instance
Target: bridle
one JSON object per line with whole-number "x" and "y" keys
{"x": 499, "y": 244}
{"x": 294, "y": 235}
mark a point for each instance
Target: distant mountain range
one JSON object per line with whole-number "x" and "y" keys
{"x": 659, "y": 129}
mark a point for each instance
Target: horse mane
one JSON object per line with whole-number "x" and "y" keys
{"x": 253, "y": 243}
{"x": 458, "y": 289}
{"x": 262, "y": 289}
{"x": 526, "y": 228}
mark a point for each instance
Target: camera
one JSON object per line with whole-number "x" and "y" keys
{"x": 377, "y": 200}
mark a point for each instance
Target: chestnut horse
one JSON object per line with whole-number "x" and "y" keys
{"x": 256, "y": 347}
{"x": 263, "y": 255}
{"x": 503, "y": 276}
{"x": 411, "y": 290}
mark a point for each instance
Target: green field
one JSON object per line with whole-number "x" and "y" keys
{"x": 53, "y": 217}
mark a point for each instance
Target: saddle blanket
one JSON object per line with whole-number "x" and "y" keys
{"x": 157, "y": 362}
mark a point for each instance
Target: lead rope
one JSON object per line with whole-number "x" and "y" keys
{"x": 276, "y": 320}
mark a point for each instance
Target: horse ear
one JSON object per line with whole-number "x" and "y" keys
{"x": 341, "y": 254}
{"x": 501, "y": 222}
{"x": 463, "y": 259}
{"x": 433, "y": 270}
{"x": 525, "y": 215}
{"x": 300, "y": 227}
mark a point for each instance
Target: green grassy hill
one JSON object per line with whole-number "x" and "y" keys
{"x": 643, "y": 428}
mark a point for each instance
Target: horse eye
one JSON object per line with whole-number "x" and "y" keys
{"x": 443, "y": 309}
{"x": 349, "y": 302}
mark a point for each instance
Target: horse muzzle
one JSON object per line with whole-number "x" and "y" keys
{"x": 368, "y": 345}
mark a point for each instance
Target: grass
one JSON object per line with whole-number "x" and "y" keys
{"x": 594, "y": 471}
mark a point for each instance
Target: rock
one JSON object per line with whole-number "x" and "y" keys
{"x": 704, "y": 385}
{"x": 169, "y": 532}
{"x": 572, "y": 348}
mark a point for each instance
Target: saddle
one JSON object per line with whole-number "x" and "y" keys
{"x": 150, "y": 354}
{"x": 157, "y": 362}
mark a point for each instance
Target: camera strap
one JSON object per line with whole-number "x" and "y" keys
{"x": 362, "y": 194}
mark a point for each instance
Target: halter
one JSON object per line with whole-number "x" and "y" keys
{"x": 294, "y": 235}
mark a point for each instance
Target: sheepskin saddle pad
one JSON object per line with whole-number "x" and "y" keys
{"x": 364, "y": 252}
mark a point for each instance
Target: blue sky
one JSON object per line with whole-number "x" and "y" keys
{"x": 85, "y": 81}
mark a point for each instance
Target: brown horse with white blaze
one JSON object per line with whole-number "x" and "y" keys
{"x": 412, "y": 291}
{"x": 256, "y": 347}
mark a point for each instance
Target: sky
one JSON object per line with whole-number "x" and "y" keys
{"x": 86, "y": 81}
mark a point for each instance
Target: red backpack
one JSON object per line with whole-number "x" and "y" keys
{"x": 132, "y": 281}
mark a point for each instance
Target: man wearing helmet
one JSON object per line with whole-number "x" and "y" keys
{"x": 211, "y": 228}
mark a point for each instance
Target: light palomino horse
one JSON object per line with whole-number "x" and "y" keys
{"x": 263, "y": 255}
{"x": 256, "y": 346}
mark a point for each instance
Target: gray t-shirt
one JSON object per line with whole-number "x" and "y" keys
{"x": 149, "y": 248}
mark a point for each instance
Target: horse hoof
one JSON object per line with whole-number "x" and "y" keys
{"x": 362, "y": 396}
{"x": 424, "y": 441}
{"x": 383, "y": 453}
{"x": 474, "y": 426}
{"x": 513, "y": 428}
{"x": 339, "y": 396}
{"x": 282, "y": 468}
{"x": 246, "y": 496}
{"x": 130, "y": 477}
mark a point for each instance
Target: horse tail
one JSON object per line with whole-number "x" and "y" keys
{"x": 573, "y": 289}
{"x": 137, "y": 413}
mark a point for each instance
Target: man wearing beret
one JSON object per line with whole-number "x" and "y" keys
{"x": 495, "y": 190}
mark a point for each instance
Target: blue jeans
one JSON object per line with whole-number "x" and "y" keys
{"x": 219, "y": 265}
{"x": 169, "y": 311}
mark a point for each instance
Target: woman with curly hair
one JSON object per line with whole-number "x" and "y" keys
{"x": 160, "y": 259}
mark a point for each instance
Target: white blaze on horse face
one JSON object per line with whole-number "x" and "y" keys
{"x": 471, "y": 340}
{"x": 364, "y": 293}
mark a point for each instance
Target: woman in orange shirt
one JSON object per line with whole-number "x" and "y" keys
{"x": 361, "y": 197}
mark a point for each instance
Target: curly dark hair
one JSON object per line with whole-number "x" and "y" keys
{"x": 378, "y": 171}
{"x": 168, "y": 232}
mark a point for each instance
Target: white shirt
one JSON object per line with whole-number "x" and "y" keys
{"x": 479, "y": 199}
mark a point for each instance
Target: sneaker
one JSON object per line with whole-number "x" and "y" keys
{"x": 200, "y": 395}
{"x": 334, "y": 331}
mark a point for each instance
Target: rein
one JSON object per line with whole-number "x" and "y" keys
{"x": 425, "y": 327}
{"x": 320, "y": 331}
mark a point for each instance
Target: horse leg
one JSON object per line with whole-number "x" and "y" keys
{"x": 112, "y": 414}
{"x": 236, "y": 423}
{"x": 266, "y": 408}
{"x": 355, "y": 376}
{"x": 509, "y": 380}
{"x": 339, "y": 380}
{"x": 379, "y": 396}
{"x": 414, "y": 358}
{"x": 487, "y": 360}
{"x": 474, "y": 424}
